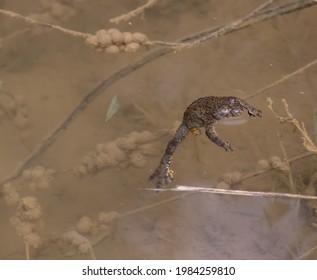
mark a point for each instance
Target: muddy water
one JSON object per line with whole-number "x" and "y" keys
{"x": 54, "y": 72}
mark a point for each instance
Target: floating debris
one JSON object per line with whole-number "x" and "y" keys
{"x": 113, "y": 107}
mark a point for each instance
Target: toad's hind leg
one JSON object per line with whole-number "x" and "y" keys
{"x": 214, "y": 137}
{"x": 163, "y": 175}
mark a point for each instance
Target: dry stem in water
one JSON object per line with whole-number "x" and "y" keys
{"x": 138, "y": 11}
{"x": 300, "y": 127}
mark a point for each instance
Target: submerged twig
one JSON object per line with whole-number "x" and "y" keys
{"x": 138, "y": 11}
{"x": 289, "y": 170}
{"x": 237, "y": 192}
{"x": 44, "y": 24}
{"x": 308, "y": 143}
{"x": 27, "y": 250}
{"x": 307, "y": 254}
{"x": 260, "y": 172}
{"x": 283, "y": 79}
{"x": 258, "y": 15}
{"x": 232, "y": 26}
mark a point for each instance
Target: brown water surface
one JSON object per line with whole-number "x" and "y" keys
{"x": 53, "y": 72}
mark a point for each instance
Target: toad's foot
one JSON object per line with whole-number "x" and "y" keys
{"x": 225, "y": 145}
{"x": 254, "y": 113}
{"x": 162, "y": 176}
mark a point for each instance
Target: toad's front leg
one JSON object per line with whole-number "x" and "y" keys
{"x": 214, "y": 137}
{"x": 253, "y": 112}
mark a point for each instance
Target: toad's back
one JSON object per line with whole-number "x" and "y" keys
{"x": 211, "y": 108}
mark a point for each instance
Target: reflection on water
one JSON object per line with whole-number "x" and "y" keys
{"x": 45, "y": 74}
{"x": 216, "y": 227}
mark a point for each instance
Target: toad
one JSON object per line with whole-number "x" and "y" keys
{"x": 202, "y": 113}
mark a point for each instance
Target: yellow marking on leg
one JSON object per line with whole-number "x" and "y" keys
{"x": 195, "y": 131}
{"x": 171, "y": 173}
